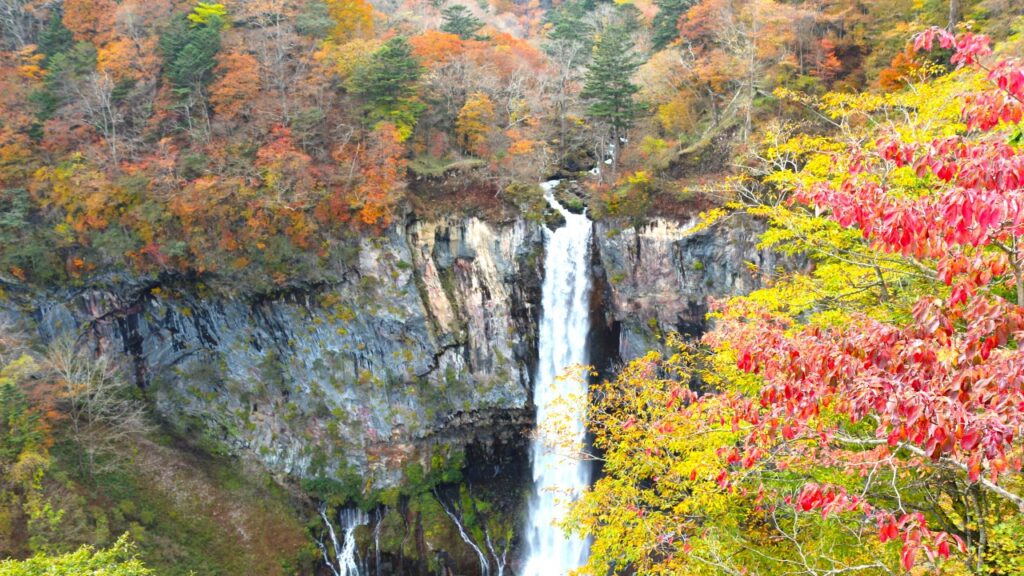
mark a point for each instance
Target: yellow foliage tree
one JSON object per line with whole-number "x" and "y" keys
{"x": 475, "y": 123}
{"x": 353, "y": 19}
{"x": 342, "y": 59}
{"x": 117, "y": 58}
{"x": 677, "y": 115}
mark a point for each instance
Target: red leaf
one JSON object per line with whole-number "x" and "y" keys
{"x": 908, "y": 556}
{"x": 943, "y": 549}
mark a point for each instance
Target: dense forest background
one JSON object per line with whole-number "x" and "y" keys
{"x": 245, "y": 138}
{"x": 247, "y": 142}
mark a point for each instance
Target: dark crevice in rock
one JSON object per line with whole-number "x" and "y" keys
{"x": 603, "y": 337}
{"x": 435, "y": 360}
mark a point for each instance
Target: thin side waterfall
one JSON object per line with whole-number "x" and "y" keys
{"x": 563, "y": 337}
{"x": 376, "y": 537}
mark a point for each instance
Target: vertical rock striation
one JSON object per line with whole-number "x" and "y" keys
{"x": 659, "y": 277}
{"x": 427, "y": 336}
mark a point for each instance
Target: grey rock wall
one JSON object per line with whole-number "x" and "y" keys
{"x": 428, "y": 337}
{"x": 660, "y": 276}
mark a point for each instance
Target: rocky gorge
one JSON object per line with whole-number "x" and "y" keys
{"x": 420, "y": 353}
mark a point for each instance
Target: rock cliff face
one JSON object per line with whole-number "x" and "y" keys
{"x": 427, "y": 338}
{"x": 659, "y": 277}
{"x": 424, "y": 341}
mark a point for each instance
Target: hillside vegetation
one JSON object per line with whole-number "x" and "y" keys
{"x": 859, "y": 415}
{"x": 251, "y": 137}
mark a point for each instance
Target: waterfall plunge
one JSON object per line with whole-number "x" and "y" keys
{"x": 563, "y": 338}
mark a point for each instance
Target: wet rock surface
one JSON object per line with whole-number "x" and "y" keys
{"x": 427, "y": 337}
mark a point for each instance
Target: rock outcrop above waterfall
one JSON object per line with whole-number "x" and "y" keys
{"x": 427, "y": 337}
{"x": 658, "y": 277}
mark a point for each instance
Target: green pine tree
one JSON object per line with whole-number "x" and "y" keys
{"x": 20, "y": 428}
{"x": 608, "y": 86}
{"x": 190, "y": 52}
{"x": 55, "y": 38}
{"x": 388, "y": 83}
{"x": 569, "y": 36}
{"x": 665, "y": 25}
{"x": 459, "y": 20}
{"x": 315, "y": 20}
{"x": 64, "y": 69}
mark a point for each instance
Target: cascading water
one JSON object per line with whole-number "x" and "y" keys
{"x": 345, "y": 552}
{"x": 563, "y": 337}
{"x": 350, "y": 519}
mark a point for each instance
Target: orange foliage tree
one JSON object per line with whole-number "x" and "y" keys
{"x": 382, "y": 175}
{"x": 287, "y": 172}
{"x": 90, "y": 20}
{"x": 434, "y": 47}
{"x": 237, "y": 83}
{"x": 378, "y": 166}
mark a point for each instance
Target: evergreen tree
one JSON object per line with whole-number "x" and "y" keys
{"x": 315, "y": 20}
{"x": 389, "y": 76}
{"x": 190, "y": 48}
{"x": 388, "y": 83}
{"x": 20, "y": 428}
{"x": 608, "y": 86}
{"x": 64, "y": 69}
{"x": 55, "y": 38}
{"x": 569, "y": 37}
{"x": 459, "y": 20}
{"x": 664, "y": 27}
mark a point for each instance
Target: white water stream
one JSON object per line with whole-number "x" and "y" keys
{"x": 345, "y": 553}
{"x": 558, "y": 478}
{"x": 564, "y": 324}
{"x": 350, "y": 519}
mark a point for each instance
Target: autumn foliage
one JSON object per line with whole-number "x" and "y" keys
{"x": 236, "y": 138}
{"x": 354, "y": 19}
{"x": 947, "y": 385}
{"x": 881, "y": 391}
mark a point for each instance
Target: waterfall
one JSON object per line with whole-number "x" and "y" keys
{"x": 350, "y": 519}
{"x": 346, "y": 556}
{"x": 485, "y": 566}
{"x": 563, "y": 338}
{"x": 376, "y": 537}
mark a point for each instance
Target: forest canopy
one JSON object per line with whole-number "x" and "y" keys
{"x": 249, "y": 138}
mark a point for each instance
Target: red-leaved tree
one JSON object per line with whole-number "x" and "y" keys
{"x": 941, "y": 389}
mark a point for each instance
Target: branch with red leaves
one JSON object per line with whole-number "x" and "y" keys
{"x": 949, "y": 384}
